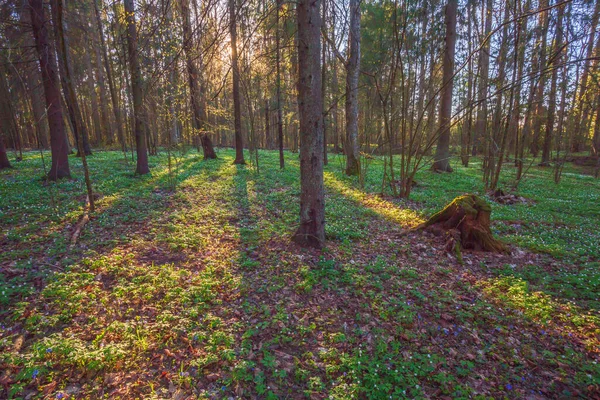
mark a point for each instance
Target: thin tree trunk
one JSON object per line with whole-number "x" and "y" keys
{"x": 583, "y": 107}
{"x": 352, "y": 73}
{"x": 442, "y": 153}
{"x": 80, "y": 130}
{"x": 66, "y": 77}
{"x": 311, "y": 231}
{"x": 136, "y": 90}
{"x": 323, "y": 82}
{"x": 557, "y": 59}
{"x": 483, "y": 70}
{"x": 58, "y": 138}
{"x": 197, "y": 103}
{"x": 539, "y": 97}
{"x": 111, "y": 82}
{"x": 237, "y": 107}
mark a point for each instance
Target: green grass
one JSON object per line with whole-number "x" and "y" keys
{"x": 186, "y": 283}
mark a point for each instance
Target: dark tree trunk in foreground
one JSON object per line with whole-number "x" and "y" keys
{"x": 352, "y": 74}
{"x": 58, "y": 139}
{"x": 66, "y": 76}
{"x": 4, "y": 162}
{"x": 311, "y": 231}
{"x": 193, "y": 80}
{"x": 136, "y": 90}
{"x": 442, "y": 153}
{"x": 237, "y": 107}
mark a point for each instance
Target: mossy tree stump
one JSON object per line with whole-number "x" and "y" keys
{"x": 469, "y": 217}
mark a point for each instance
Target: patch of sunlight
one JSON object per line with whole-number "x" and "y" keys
{"x": 382, "y": 207}
{"x": 562, "y": 317}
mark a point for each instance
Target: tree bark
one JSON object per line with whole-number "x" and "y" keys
{"x": 584, "y": 96}
{"x": 311, "y": 231}
{"x": 483, "y": 71}
{"x": 467, "y": 218}
{"x": 557, "y": 59}
{"x": 58, "y": 139}
{"x": 539, "y": 97}
{"x": 4, "y": 162}
{"x": 352, "y": 74}
{"x": 111, "y": 83}
{"x": 66, "y": 76}
{"x": 442, "y": 153}
{"x": 136, "y": 90}
{"x": 237, "y": 107}
{"x": 193, "y": 80}
{"x": 80, "y": 129}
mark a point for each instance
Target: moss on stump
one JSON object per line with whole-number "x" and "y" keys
{"x": 470, "y": 216}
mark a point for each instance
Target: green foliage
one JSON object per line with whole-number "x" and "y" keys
{"x": 189, "y": 283}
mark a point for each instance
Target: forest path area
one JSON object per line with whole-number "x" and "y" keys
{"x": 186, "y": 285}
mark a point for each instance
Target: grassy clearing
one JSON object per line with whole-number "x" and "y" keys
{"x": 187, "y": 284}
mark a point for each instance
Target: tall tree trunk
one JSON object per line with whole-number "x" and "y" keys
{"x": 584, "y": 96}
{"x": 493, "y": 138}
{"x": 237, "y": 107}
{"x": 111, "y": 83}
{"x": 196, "y": 99}
{"x": 278, "y": 83}
{"x": 483, "y": 71}
{"x": 136, "y": 90}
{"x": 467, "y": 128}
{"x": 556, "y": 60}
{"x": 311, "y": 231}
{"x": 352, "y": 74}
{"x": 323, "y": 82}
{"x": 80, "y": 130}
{"x": 58, "y": 139}
{"x": 66, "y": 76}
{"x": 539, "y": 97}
{"x": 442, "y": 153}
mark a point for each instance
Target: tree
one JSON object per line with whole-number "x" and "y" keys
{"x": 136, "y": 89}
{"x": 278, "y": 83}
{"x": 58, "y": 139}
{"x": 311, "y": 231}
{"x": 80, "y": 130}
{"x": 483, "y": 67}
{"x": 556, "y": 60}
{"x": 352, "y": 147}
{"x": 196, "y": 98}
{"x": 4, "y": 162}
{"x": 66, "y": 77}
{"x": 111, "y": 82}
{"x": 237, "y": 107}
{"x": 543, "y": 24}
{"x": 442, "y": 153}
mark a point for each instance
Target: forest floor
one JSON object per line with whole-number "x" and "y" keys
{"x": 186, "y": 285}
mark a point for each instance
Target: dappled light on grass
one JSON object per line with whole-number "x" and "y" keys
{"x": 195, "y": 289}
{"x": 384, "y": 208}
{"x": 551, "y": 315}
